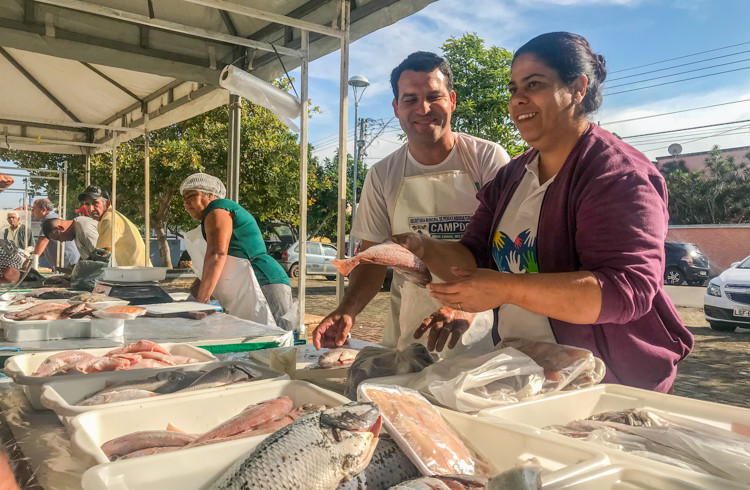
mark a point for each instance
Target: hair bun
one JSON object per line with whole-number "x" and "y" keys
{"x": 601, "y": 68}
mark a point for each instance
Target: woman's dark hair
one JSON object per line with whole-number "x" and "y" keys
{"x": 570, "y": 55}
{"x": 425, "y": 62}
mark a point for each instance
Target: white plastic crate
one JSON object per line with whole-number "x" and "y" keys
{"x": 195, "y": 414}
{"x": 73, "y": 328}
{"x": 619, "y": 477}
{"x": 20, "y": 368}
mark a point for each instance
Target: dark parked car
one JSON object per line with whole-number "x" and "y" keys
{"x": 685, "y": 262}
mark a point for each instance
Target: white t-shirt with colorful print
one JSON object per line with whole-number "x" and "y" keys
{"x": 514, "y": 251}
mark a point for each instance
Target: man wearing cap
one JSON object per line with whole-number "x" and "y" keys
{"x": 81, "y": 230}
{"x": 130, "y": 249}
{"x": 43, "y": 210}
{"x": 235, "y": 260}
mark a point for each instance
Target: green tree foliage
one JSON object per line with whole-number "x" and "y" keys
{"x": 720, "y": 193}
{"x": 480, "y": 80}
{"x": 269, "y": 173}
{"x": 323, "y": 206}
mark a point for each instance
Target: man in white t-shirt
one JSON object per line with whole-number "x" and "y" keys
{"x": 427, "y": 186}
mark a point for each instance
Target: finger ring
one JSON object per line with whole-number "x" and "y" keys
{"x": 459, "y": 307}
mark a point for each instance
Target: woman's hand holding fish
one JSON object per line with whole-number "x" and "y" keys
{"x": 410, "y": 241}
{"x": 443, "y": 324}
{"x": 475, "y": 290}
{"x": 332, "y": 331}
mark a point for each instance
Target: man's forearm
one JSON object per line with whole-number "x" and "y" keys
{"x": 41, "y": 244}
{"x": 365, "y": 282}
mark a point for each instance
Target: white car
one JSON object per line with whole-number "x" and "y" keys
{"x": 726, "y": 303}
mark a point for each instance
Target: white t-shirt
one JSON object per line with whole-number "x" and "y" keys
{"x": 87, "y": 234}
{"x": 379, "y": 193}
{"x": 514, "y": 250}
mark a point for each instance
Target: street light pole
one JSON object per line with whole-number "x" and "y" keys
{"x": 357, "y": 81}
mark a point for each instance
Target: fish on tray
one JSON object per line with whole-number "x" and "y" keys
{"x": 389, "y": 466}
{"x": 116, "y": 396}
{"x": 145, "y": 439}
{"x": 336, "y": 358}
{"x": 56, "y": 361}
{"x": 323, "y": 448}
{"x": 391, "y": 254}
{"x": 524, "y": 477}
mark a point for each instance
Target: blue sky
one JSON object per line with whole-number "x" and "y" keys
{"x": 628, "y": 33}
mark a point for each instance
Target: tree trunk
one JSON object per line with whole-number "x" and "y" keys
{"x": 160, "y": 227}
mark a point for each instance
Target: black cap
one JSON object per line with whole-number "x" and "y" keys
{"x": 93, "y": 192}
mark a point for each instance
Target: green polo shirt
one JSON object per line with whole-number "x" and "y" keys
{"x": 247, "y": 242}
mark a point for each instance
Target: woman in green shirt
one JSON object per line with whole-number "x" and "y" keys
{"x": 232, "y": 233}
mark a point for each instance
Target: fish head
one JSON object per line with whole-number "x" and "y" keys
{"x": 240, "y": 373}
{"x": 352, "y": 431}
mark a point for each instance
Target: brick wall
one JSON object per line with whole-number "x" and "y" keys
{"x": 722, "y": 244}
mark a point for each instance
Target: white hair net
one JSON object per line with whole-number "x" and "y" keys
{"x": 204, "y": 183}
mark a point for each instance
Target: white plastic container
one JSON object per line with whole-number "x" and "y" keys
{"x": 623, "y": 478}
{"x": 62, "y": 395}
{"x": 21, "y": 366}
{"x": 566, "y": 407}
{"x": 197, "y": 414}
{"x": 504, "y": 446}
{"x": 73, "y": 328}
{"x": 134, "y": 274}
{"x": 100, "y": 305}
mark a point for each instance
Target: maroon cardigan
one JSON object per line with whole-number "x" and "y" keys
{"x": 605, "y": 212}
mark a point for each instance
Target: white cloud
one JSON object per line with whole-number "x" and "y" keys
{"x": 541, "y": 3}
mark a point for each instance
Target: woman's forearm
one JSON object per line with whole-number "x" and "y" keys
{"x": 213, "y": 265}
{"x": 440, "y": 256}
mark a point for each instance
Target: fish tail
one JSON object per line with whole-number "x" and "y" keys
{"x": 345, "y": 266}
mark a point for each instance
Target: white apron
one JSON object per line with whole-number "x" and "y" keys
{"x": 237, "y": 290}
{"x": 440, "y": 205}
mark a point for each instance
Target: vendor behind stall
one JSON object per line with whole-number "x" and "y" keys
{"x": 82, "y": 230}
{"x": 130, "y": 249}
{"x": 235, "y": 260}
{"x": 43, "y": 210}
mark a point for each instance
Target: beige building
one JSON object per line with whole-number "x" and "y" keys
{"x": 697, "y": 161}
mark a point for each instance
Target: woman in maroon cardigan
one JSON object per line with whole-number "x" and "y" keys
{"x": 567, "y": 244}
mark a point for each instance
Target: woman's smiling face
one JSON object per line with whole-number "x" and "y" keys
{"x": 541, "y": 106}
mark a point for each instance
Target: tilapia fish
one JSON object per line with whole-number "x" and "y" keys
{"x": 222, "y": 376}
{"x": 391, "y": 254}
{"x": 389, "y": 466}
{"x": 320, "y": 450}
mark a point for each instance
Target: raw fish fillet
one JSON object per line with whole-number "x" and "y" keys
{"x": 391, "y": 254}
{"x": 56, "y": 361}
{"x": 250, "y": 418}
{"x": 140, "y": 346}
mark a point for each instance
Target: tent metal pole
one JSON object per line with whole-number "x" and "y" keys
{"x": 64, "y": 207}
{"x": 60, "y": 247}
{"x": 343, "y": 113}
{"x": 233, "y": 170}
{"x": 88, "y": 167}
{"x": 112, "y": 223}
{"x": 304, "y": 72}
{"x": 27, "y": 210}
{"x": 147, "y": 187}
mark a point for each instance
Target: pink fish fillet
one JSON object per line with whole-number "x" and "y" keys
{"x": 148, "y": 364}
{"x": 250, "y": 418}
{"x": 149, "y": 451}
{"x": 267, "y": 428}
{"x": 144, "y": 439}
{"x": 56, "y": 361}
{"x": 140, "y": 346}
{"x": 336, "y": 358}
{"x": 167, "y": 358}
{"x": 391, "y": 254}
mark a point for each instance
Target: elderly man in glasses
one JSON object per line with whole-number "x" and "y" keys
{"x": 130, "y": 249}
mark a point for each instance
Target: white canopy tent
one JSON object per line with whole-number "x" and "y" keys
{"x": 80, "y": 76}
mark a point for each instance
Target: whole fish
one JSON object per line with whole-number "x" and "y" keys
{"x": 162, "y": 383}
{"x": 56, "y": 361}
{"x": 126, "y": 444}
{"x": 321, "y": 449}
{"x": 116, "y": 396}
{"x": 336, "y": 358}
{"x": 527, "y": 476}
{"x": 389, "y": 466}
{"x": 444, "y": 482}
{"x": 392, "y": 254}
{"x": 222, "y": 376}
{"x": 149, "y": 451}
{"x": 36, "y": 311}
{"x": 250, "y": 418}
{"x": 72, "y": 310}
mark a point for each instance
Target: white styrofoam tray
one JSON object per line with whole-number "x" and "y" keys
{"x": 505, "y": 446}
{"x": 197, "y": 414}
{"x": 71, "y": 328}
{"x": 20, "y": 367}
{"x": 565, "y": 407}
{"x": 619, "y": 477}
{"x": 100, "y": 305}
{"x": 62, "y": 394}
{"x": 134, "y": 274}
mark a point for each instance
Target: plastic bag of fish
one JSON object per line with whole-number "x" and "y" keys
{"x": 378, "y": 362}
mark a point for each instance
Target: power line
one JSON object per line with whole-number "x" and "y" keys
{"x": 681, "y": 57}
{"x": 729, "y": 132}
{"x": 686, "y": 129}
{"x": 678, "y": 81}
{"x": 678, "y": 73}
{"x": 677, "y": 66}
{"x": 674, "y": 112}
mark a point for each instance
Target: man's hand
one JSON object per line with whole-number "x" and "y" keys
{"x": 444, "y": 323}
{"x": 410, "y": 241}
{"x": 333, "y": 330}
{"x": 5, "y": 181}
